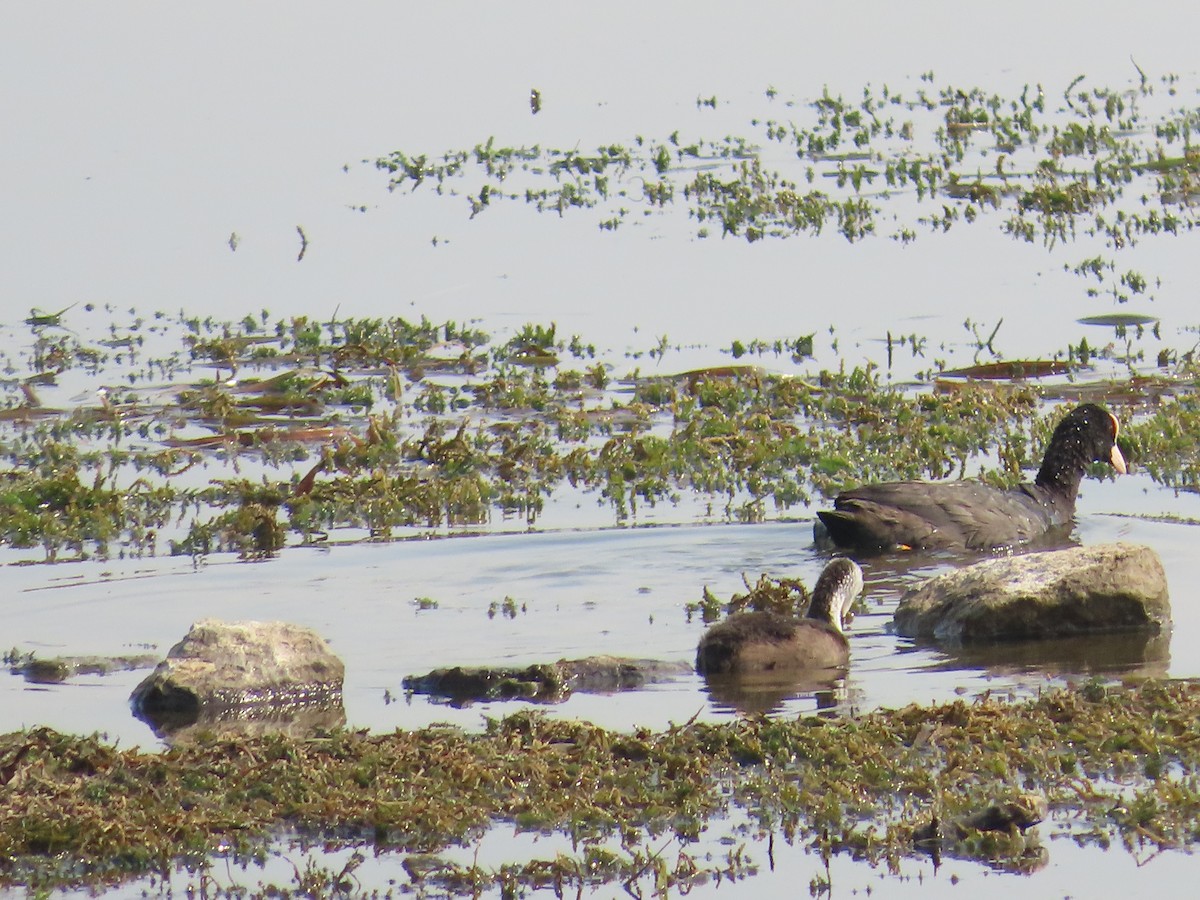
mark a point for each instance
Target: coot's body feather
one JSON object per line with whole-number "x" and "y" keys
{"x": 749, "y": 643}
{"x": 971, "y": 514}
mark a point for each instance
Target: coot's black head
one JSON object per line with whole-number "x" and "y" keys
{"x": 1088, "y": 434}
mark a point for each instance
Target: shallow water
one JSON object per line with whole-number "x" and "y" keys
{"x": 1054, "y": 866}
{"x": 154, "y": 134}
{"x": 578, "y": 593}
{"x": 582, "y": 592}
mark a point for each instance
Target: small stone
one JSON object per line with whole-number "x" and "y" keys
{"x": 1017, "y": 813}
{"x": 46, "y": 671}
{"x": 60, "y": 668}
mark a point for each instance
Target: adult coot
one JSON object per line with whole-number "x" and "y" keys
{"x": 753, "y": 642}
{"x": 931, "y": 515}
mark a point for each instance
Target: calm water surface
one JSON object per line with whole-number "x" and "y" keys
{"x": 579, "y": 593}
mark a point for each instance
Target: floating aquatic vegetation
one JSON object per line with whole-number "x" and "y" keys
{"x": 346, "y": 429}
{"x": 78, "y": 811}
{"x": 1108, "y": 164}
{"x": 784, "y": 596}
{"x": 1013, "y": 370}
{"x": 1119, "y": 320}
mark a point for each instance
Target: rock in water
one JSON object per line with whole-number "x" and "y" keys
{"x": 1083, "y": 590}
{"x": 241, "y": 666}
{"x": 543, "y": 682}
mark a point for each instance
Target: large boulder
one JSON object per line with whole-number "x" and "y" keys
{"x": 1083, "y": 590}
{"x": 241, "y": 670}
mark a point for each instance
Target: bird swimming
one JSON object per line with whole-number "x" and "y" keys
{"x": 927, "y": 515}
{"x": 754, "y": 642}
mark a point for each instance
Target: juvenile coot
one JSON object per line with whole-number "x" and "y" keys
{"x": 929, "y": 515}
{"x": 752, "y": 642}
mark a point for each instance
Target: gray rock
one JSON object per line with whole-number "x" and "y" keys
{"x": 1083, "y": 590}
{"x": 221, "y": 666}
{"x": 543, "y": 682}
{"x": 462, "y": 685}
{"x": 57, "y": 669}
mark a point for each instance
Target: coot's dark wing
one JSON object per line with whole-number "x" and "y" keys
{"x": 928, "y": 515}
{"x": 859, "y": 521}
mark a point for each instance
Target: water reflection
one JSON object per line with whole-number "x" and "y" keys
{"x": 1140, "y": 655}
{"x": 290, "y": 720}
{"x": 1033, "y": 857}
{"x": 760, "y": 693}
